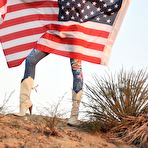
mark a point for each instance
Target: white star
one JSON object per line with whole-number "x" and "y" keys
{"x": 111, "y": 1}
{"x": 105, "y": 5}
{"x": 77, "y": 14}
{"x": 62, "y": 7}
{"x": 73, "y": 8}
{"x": 86, "y": 16}
{"x": 98, "y": 9}
{"x": 62, "y": 17}
{"x": 81, "y": 20}
{"x": 88, "y": 7}
{"x": 108, "y": 21}
{"x": 82, "y": 10}
{"x": 98, "y": 19}
{"x": 67, "y": 12}
{"x": 94, "y": 3}
{"x": 72, "y": 17}
{"x": 104, "y": 15}
{"x": 79, "y": 5}
{"x": 84, "y": 1}
{"x": 109, "y": 10}
{"x": 116, "y": 6}
{"x": 68, "y": 3}
{"x": 91, "y": 13}
{"x": 73, "y": 0}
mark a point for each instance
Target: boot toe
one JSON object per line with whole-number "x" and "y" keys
{"x": 74, "y": 123}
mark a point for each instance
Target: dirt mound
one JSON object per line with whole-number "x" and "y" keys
{"x": 34, "y": 132}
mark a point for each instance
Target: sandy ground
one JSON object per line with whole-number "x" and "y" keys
{"x": 34, "y": 132}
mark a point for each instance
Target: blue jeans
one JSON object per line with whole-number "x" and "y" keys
{"x": 35, "y": 56}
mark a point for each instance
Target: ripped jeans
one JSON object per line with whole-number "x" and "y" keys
{"x": 35, "y": 56}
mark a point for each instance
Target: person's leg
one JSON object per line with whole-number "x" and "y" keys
{"x": 27, "y": 82}
{"x": 76, "y": 68}
{"x": 30, "y": 64}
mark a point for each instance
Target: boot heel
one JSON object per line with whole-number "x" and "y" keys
{"x": 30, "y": 109}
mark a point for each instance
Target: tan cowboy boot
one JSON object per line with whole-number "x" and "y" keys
{"x": 25, "y": 92}
{"x": 76, "y": 99}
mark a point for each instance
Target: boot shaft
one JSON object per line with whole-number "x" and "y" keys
{"x": 76, "y": 100}
{"x": 25, "y": 92}
{"x": 25, "y": 89}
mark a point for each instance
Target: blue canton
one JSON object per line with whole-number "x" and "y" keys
{"x": 102, "y": 11}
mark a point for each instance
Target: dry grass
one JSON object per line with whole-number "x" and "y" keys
{"x": 4, "y": 108}
{"x": 119, "y": 100}
{"x": 133, "y": 130}
{"x": 53, "y": 115}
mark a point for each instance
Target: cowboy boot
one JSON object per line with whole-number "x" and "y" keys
{"x": 76, "y": 99}
{"x": 25, "y": 92}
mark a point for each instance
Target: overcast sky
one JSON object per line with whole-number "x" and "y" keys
{"x": 53, "y": 74}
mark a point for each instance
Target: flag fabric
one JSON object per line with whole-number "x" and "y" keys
{"x": 61, "y": 27}
{"x": 25, "y": 22}
{"x": 87, "y": 40}
{"x": 3, "y": 9}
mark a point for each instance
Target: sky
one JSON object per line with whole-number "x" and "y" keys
{"x": 53, "y": 73}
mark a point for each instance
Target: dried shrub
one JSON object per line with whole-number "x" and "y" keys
{"x": 4, "y": 108}
{"x": 52, "y": 117}
{"x": 112, "y": 98}
{"x": 133, "y": 130}
{"x": 115, "y": 99}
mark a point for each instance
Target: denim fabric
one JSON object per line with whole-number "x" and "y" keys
{"x": 76, "y": 67}
{"x": 35, "y": 56}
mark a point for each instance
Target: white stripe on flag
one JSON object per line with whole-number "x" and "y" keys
{"x": 80, "y": 35}
{"x": 21, "y": 41}
{"x": 23, "y": 26}
{"x": 3, "y": 10}
{"x": 69, "y": 48}
{"x": 31, "y": 11}
{"x": 18, "y": 55}
{"x": 89, "y": 25}
{"x": 14, "y": 2}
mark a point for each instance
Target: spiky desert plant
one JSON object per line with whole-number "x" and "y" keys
{"x": 113, "y": 97}
{"x": 133, "y": 130}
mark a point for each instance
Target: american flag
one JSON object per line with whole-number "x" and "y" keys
{"x": 61, "y": 27}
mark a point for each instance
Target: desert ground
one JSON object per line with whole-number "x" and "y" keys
{"x": 37, "y": 131}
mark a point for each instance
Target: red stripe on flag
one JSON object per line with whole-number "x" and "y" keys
{"x": 73, "y": 41}
{"x": 29, "y": 5}
{"x": 93, "y": 32}
{"x": 29, "y": 18}
{"x": 23, "y": 33}
{"x": 15, "y": 63}
{"x": 70, "y": 54}
{"x": 19, "y": 48}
